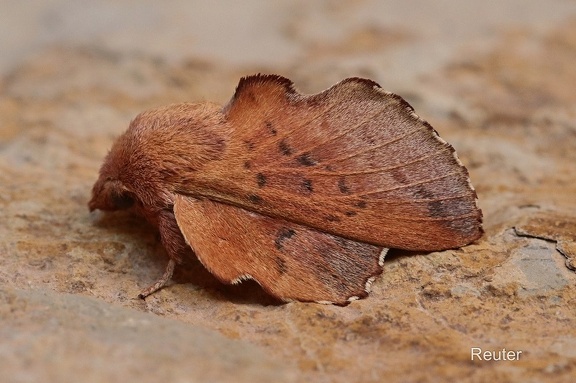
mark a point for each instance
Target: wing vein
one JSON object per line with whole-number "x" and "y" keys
{"x": 411, "y": 201}
{"x": 273, "y": 140}
{"x": 450, "y": 218}
{"x": 343, "y": 133}
{"x": 406, "y": 185}
{"x": 360, "y": 152}
{"x": 359, "y": 172}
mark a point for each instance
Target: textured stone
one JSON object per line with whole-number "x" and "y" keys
{"x": 53, "y": 337}
{"x": 495, "y": 82}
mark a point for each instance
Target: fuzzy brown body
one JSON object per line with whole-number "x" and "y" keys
{"x": 300, "y": 193}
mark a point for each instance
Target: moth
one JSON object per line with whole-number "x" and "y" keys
{"x": 302, "y": 193}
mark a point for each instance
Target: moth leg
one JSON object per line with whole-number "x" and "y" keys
{"x": 161, "y": 282}
{"x": 175, "y": 246}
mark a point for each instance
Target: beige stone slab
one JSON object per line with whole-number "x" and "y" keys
{"x": 501, "y": 90}
{"x": 52, "y": 337}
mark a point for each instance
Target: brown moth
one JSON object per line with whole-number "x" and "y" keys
{"x": 302, "y": 193}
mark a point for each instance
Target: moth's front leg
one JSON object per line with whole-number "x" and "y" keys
{"x": 175, "y": 245}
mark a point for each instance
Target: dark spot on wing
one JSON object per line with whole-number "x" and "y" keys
{"x": 344, "y": 189}
{"x": 261, "y": 179}
{"x": 306, "y": 160}
{"x": 361, "y": 204}
{"x": 331, "y": 277}
{"x": 270, "y": 128}
{"x": 436, "y": 209}
{"x": 285, "y": 148}
{"x": 281, "y": 265}
{"x": 421, "y": 192}
{"x": 282, "y": 235}
{"x": 399, "y": 176}
{"x": 249, "y": 145}
{"x": 350, "y": 213}
{"x": 332, "y": 218}
{"x": 247, "y": 164}
{"x": 307, "y": 184}
{"x": 255, "y": 199}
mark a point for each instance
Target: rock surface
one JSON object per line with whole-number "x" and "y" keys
{"x": 497, "y": 81}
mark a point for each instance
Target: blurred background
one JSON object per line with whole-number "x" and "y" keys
{"x": 395, "y": 38}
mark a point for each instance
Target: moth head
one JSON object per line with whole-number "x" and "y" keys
{"x": 110, "y": 194}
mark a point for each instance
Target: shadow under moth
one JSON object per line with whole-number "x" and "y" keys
{"x": 302, "y": 193}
